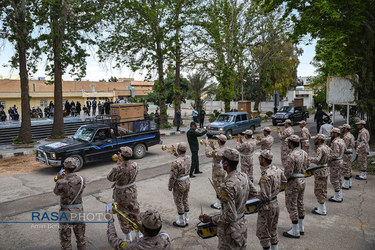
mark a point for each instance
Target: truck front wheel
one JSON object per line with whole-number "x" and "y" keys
{"x": 139, "y": 151}
{"x": 79, "y": 161}
{"x": 228, "y": 134}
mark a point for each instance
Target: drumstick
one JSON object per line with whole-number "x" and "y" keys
{"x": 201, "y": 209}
{"x": 217, "y": 193}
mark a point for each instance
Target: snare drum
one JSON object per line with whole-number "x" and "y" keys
{"x": 310, "y": 171}
{"x": 252, "y": 206}
{"x": 206, "y": 230}
{"x": 282, "y": 187}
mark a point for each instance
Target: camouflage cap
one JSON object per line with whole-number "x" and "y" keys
{"x": 151, "y": 219}
{"x": 126, "y": 151}
{"x": 302, "y": 122}
{"x": 294, "y": 138}
{"x": 267, "y": 129}
{"x": 231, "y": 154}
{"x": 335, "y": 130}
{"x": 70, "y": 162}
{"x": 363, "y": 122}
{"x": 346, "y": 126}
{"x": 266, "y": 154}
{"x": 221, "y": 137}
{"x": 320, "y": 137}
{"x": 182, "y": 146}
{"x": 248, "y": 132}
{"x": 288, "y": 121}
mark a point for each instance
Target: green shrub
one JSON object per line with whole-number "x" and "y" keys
{"x": 269, "y": 113}
{"x": 16, "y": 141}
{"x": 370, "y": 167}
{"x": 165, "y": 126}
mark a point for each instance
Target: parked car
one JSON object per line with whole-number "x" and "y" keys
{"x": 294, "y": 113}
{"x": 100, "y": 140}
{"x": 232, "y": 123}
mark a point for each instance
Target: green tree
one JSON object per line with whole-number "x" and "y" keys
{"x": 16, "y": 25}
{"x": 113, "y": 79}
{"x": 198, "y": 86}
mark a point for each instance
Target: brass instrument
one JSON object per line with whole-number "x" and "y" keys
{"x": 171, "y": 150}
{"x": 62, "y": 173}
{"x": 133, "y": 225}
{"x": 236, "y": 136}
{"x": 258, "y": 137}
{"x": 201, "y": 142}
{"x": 116, "y": 158}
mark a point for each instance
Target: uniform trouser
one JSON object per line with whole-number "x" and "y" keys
{"x": 180, "y": 197}
{"x": 218, "y": 176}
{"x": 232, "y": 236}
{"x": 66, "y": 233}
{"x": 178, "y": 125}
{"x": 362, "y": 160}
{"x": 347, "y": 165}
{"x": 294, "y": 192}
{"x": 194, "y": 162}
{"x": 335, "y": 174}
{"x": 284, "y": 154}
{"x": 201, "y": 121}
{"x": 127, "y": 200}
{"x": 320, "y": 188}
{"x": 267, "y": 225}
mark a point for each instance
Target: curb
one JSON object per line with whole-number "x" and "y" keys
{"x": 172, "y": 133}
{"x": 21, "y": 153}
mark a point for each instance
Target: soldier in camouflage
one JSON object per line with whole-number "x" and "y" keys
{"x": 246, "y": 148}
{"x": 283, "y": 139}
{"x": 295, "y": 167}
{"x": 151, "y": 225}
{"x": 267, "y": 141}
{"x": 335, "y": 158}
{"x": 363, "y": 148}
{"x": 124, "y": 188}
{"x": 347, "y": 157}
{"x": 179, "y": 183}
{"x": 70, "y": 191}
{"x": 305, "y": 136}
{"x": 231, "y": 223}
{"x": 218, "y": 173}
{"x": 321, "y": 174}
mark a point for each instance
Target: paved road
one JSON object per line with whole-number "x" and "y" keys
{"x": 348, "y": 225}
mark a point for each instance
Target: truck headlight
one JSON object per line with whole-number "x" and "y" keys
{"x": 53, "y": 155}
{"x": 205, "y": 127}
{"x": 220, "y": 129}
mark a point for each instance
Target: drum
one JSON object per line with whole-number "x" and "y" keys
{"x": 252, "y": 206}
{"x": 206, "y": 230}
{"x": 310, "y": 171}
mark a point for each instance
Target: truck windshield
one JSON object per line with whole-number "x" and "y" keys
{"x": 286, "y": 109}
{"x": 225, "y": 118}
{"x": 84, "y": 134}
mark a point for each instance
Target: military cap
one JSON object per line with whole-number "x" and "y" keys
{"x": 221, "y": 137}
{"x": 335, "y": 130}
{"x": 70, "y": 162}
{"x": 346, "y": 126}
{"x": 294, "y": 138}
{"x": 231, "y": 154}
{"x": 288, "y": 121}
{"x": 248, "y": 132}
{"x": 320, "y": 137}
{"x": 363, "y": 122}
{"x": 182, "y": 146}
{"x": 126, "y": 151}
{"x": 267, "y": 129}
{"x": 151, "y": 219}
{"x": 193, "y": 124}
{"x": 266, "y": 154}
{"x": 302, "y": 122}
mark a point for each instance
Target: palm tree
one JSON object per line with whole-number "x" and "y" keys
{"x": 198, "y": 82}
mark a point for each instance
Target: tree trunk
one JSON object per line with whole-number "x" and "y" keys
{"x": 163, "y": 108}
{"x": 177, "y": 90}
{"x": 24, "y": 135}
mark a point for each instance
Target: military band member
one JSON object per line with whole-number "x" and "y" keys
{"x": 305, "y": 136}
{"x": 151, "y": 225}
{"x": 336, "y": 163}
{"x": 231, "y": 223}
{"x": 362, "y": 149}
{"x": 218, "y": 173}
{"x": 321, "y": 175}
{"x": 295, "y": 167}
{"x": 179, "y": 183}
{"x": 125, "y": 189}
{"x": 347, "y": 157}
{"x": 70, "y": 191}
{"x": 267, "y": 141}
{"x": 283, "y": 140}
{"x": 268, "y": 214}
{"x": 246, "y": 148}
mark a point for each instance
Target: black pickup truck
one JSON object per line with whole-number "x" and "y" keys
{"x": 99, "y": 139}
{"x": 294, "y": 113}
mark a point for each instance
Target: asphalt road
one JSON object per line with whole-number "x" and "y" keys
{"x": 349, "y": 225}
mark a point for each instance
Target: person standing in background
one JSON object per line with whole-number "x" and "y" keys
{"x": 201, "y": 119}
{"x": 94, "y": 104}
{"x": 363, "y": 148}
{"x": 178, "y": 119}
{"x": 195, "y": 115}
{"x": 88, "y": 106}
{"x": 192, "y": 135}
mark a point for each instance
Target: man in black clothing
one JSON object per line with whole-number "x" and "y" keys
{"x": 3, "y": 116}
{"x": 178, "y": 119}
{"x": 94, "y": 104}
{"x": 194, "y": 147}
{"x": 319, "y": 118}
{"x": 88, "y": 104}
{"x": 201, "y": 119}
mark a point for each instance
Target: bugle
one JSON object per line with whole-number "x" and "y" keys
{"x": 133, "y": 225}
{"x": 116, "y": 158}
{"x": 62, "y": 173}
{"x": 171, "y": 150}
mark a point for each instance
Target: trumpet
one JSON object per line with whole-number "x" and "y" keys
{"x": 171, "y": 150}
{"x": 134, "y": 225}
{"x": 62, "y": 173}
{"x": 235, "y": 136}
{"x": 258, "y": 137}
{"x": 116, "y": 158}
{"x": 201, "y": 142}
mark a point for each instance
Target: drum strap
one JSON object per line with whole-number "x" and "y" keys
{"x": 79, "y": 191}
{"x": 246, "y": 155}
{"x": 337, "y": 159}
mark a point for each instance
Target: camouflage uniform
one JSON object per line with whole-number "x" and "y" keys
{"x": 347, "y": 157}
{"x": 231, "y": 223}
{"x": 364, "y": 148}
{"x": 268, "y": 214}
{"x": 266, "y": 142}
{"x": 67, "y": 189}
{"x": 179, "y": 182}
{"x": 336, "y": 162}
{"x": 218, "y": 173}
{"x": 284, "y": 144}
{"x": 246, "y": 149}
{"x": 296, "y": 163}
{"x": 321, "y": 175}
{"x": 149, "y": 219}
{"x": 305, "y": 139}
{"x": 125, "y": 189}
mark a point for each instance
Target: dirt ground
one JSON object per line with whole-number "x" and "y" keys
{"x": 19, "y": 164}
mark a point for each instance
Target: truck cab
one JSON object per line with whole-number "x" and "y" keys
{"x": 294, "y": 113}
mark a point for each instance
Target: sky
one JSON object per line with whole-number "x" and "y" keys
{"x": 97, "y": 71}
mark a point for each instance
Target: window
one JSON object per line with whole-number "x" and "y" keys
{"x": 43, "y": 103}
{"x": 33, "y": 87}
{"x": 244, "y": 117}
{"x": 3, "y": 103}
{"x": 238, "y": 118}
